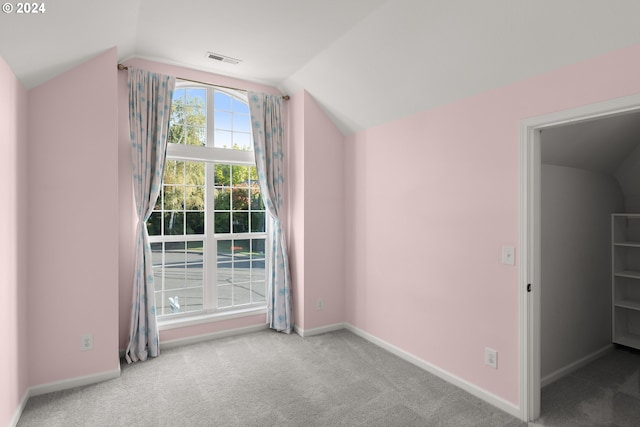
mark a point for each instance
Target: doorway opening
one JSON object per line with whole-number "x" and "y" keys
{"x": 530, "y": 231}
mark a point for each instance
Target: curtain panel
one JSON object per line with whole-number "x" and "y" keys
{"x": 150, "y": 97}
{"x": 268, "y": 146}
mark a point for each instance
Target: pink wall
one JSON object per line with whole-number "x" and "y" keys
{"x": 296, "y": 206}
{"x": 126, "y": 203}
{"x": 431, "y": 199}
{"x": 13, "y": 256}
{"x": 317, "y": 214}
{"x": 73, "y": 222}
{"x": 324, "y": 217}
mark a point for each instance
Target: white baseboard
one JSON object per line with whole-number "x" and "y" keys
{"x": 62, "y": 385}
{"x": 320, "y": 330}
{"x": 74, "y": 382}
{"x": 18, "y": 413}
{"x": 214, "y": 335}
{"x": 556, "y": 375}
{"x": 478, "y": 392}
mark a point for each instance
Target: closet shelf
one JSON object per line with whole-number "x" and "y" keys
{"x": 628, "y": 244}
{"x": 628, "y": 273}
{"x": 630, "y": 340}
{"x": 629, "y": 304}
{"x": 625, "y": 286}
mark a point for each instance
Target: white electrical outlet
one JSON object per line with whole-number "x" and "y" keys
{"x": 491, "y": 358}
{"x": 320, "y": 304}
{"x": 86, "y": 342}
{"x": 508, "y": 255}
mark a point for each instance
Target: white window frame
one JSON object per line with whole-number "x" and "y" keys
{"x": 211, "y": 156}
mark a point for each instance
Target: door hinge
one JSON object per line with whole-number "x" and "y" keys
{"x": 528, "y": 287}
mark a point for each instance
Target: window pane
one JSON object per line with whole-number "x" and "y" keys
{"x": 158, "y": 205}
{"x": 223, "y": 175}
{"x": 193, "y": 298}
{"x": 241, "y": 222}
{"x": 240, "y": 176}
{"x": 241, "y": 123}
{"x": 222, "y": 139}
{"x": 242, "y": 141}
{"x": 256, "y": 200}
{"x": 159, "y": 303}
{"x": 241, "y": 294}
{"x": 222, "y": 222}
{"x": 222, "y": 199}
{"x": 224, "y": 273}
{"x": 178, "y": 94}
{"x": 241, "y": 248}
{"x": 154, "y": 226}
{"x": 175, "y": 274}
{"x": 222, "y": 101}
{"x": 253, "y": 176}
{"x": 196, "y": 135}
{"x": 173, "y": 172}
{"x": 257, "y": 222}
{"x": 195, "y": 173}
{"x": 241, "y": 271}
{"x": 257, "y": 248}
{"x": 225, "y": 293}
{"x": 222, "y": 120}
{"x": 195, "y": 223}
{"x": 196, "y": 246}
{"x": 194, "y": 264}
{"x": 176, "y": 133}
{"x": 156, "y": 254}
{"x": 257, "y": 271}
{"x": 240, "y": 198}
{"x": 173, "y": 198}
{"x": 194, "y": 199}
{"x": 197, "y": 96}
{"x": 240, "y": 107}
{"x": 170, "y": 302}
{"x": 173, "y": 223}
{"x": 181, "y": 276}
{"x": 258, "y": 292}
{"x": 224, "y": 250}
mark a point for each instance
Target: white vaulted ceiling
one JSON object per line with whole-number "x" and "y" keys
{"x": 366, "y": 62}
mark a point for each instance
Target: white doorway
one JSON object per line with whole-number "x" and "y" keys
{"x": 529, "y": 238}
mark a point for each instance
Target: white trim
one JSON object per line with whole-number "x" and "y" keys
{"x": 320, "y": 330}
{"x": 529, "y": 234}
{"x": 16, "y": 416}
{"x": 210, "y": 154}
{"x": 572, "y": 367}
{"x": 478, "y": 392}
{"x": 191, "y": 320}
{"x": 214, "y": 335}
{"x": 74, "y": 382}
{"x": 529, "y": 272}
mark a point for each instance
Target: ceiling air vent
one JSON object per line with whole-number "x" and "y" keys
{"x": 222, "y": 58}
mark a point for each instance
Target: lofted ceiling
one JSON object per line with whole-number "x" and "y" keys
{"x": 366, "y": 62}
{"x": 599, "y": 145}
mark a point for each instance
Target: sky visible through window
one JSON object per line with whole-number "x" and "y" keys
{"x": 231, "y": 118}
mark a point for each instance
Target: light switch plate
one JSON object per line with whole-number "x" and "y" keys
{"x": 509, "y": 255}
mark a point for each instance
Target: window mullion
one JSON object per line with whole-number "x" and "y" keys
{"x": 210, "y": 288}
{"x": 210, "y": 116}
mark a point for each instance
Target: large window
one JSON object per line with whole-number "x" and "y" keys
{"x": 208, "y": 228}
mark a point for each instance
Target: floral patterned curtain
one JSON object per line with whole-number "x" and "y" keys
{"x": 150, "y": 97}
{"x": 268, "y": 146}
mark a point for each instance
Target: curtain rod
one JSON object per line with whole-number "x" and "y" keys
{"x": 124, "y": 67}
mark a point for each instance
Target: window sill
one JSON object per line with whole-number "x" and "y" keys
{"x": 183, "y": 321}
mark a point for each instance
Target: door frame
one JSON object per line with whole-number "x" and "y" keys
{"x": 529, "y": 236}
